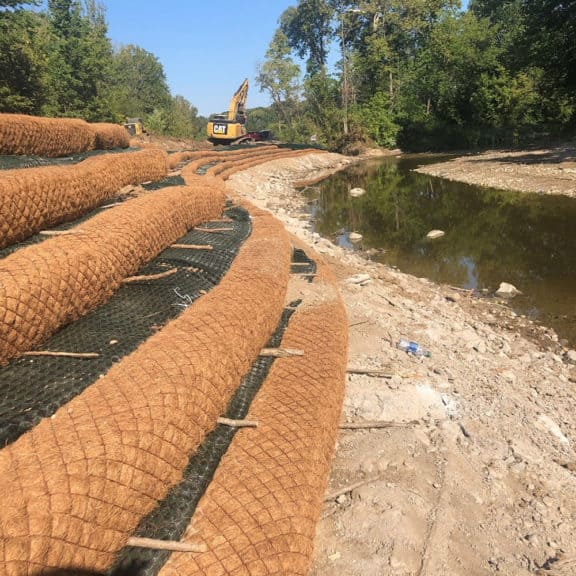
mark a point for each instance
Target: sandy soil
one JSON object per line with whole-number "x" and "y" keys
{"x": 476, "y": 472}
{"x": 545, "y": 171}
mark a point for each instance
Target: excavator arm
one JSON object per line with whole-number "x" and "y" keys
{"x": 237, "y": 109}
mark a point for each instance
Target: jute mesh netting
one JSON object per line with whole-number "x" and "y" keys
{"x": 37, "y": 198}
{"x": 33, "y": 135}
{"x": 75, "y": 486}
{"x": 45, "y": 286}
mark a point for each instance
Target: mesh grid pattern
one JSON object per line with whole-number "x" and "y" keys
{"x": 21, "y": 134}
{"x": 48, "y": 285}
{"x": 75, "y": 486}
{"x": 34, "y": 388}
{"x": 171, "y": 518}
{"x": 259, "y": 513}
{"x": 36, "y": 198}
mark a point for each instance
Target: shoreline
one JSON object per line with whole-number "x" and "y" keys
{"x": 474, "y": 474}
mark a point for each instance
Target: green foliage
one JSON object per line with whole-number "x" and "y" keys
{"x": 22, "y": 62}
{"x": 138, "y": 83}
{"x": 307, "y": 28}
{"x": 375, "y": 118}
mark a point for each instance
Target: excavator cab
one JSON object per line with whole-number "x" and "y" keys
{"x": 230, "y": 126}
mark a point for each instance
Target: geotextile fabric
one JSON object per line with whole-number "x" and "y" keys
{"x": 37, "y": 198}
{"x": 75, "y": 487}
{"x": 34, "y": 135}
{"x": 259, "y": 513}
{"x": 48, "y": 285}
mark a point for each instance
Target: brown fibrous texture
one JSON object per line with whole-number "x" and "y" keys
{"x": 109, "y": 136}
{"x": 259, "y": 513}
{"x": 47, "y": 285}
{"x": 37, "y": 198}
{"x": 75, "y": 487}
{"x": 33, "y": 135}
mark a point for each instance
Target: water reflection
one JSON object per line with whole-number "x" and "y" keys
{"x": 492, "y": 236}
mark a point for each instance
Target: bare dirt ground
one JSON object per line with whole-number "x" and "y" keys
{"x": 544, "y": 171}
{"x": 476, "y": 472}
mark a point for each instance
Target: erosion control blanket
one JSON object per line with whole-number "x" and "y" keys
{"x": 37, "y": 198}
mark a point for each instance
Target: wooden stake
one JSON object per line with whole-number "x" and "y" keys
{"x": 238, "y": 423}
{"x": 368, "y": 372}
{"x": 192, "y": 246}
{"x": 58, "y": 232}
{"x": 62, "y": 354}
{"x": 281, "y": 352}
{"x": 333, "y": 495}
{"x": 376, "y": 424}
{"x": 132, "y": 279}
{"x": 211, "y": 230}
{"x": 165, "y": 545}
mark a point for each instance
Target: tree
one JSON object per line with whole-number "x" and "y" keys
{"x": 22, "y": 59}
{"x": 79, "y": 61}
{"x": 308, "y": 30}
{"x": 138, "y": 83}
{"x": 279, "y": 76}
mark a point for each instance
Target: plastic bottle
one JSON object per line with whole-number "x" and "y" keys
{"x": 412, "y": 348}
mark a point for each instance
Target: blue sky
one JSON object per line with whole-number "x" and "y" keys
{"x": 207, "y": 48}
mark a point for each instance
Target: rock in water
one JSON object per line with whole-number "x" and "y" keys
{"x": 356, "y": 192}
{"x": 433, "y": 234}
{"x": 354, "y": 237}
{"x": 507, "y": 290}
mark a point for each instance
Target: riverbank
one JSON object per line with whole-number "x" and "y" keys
{"x": 476, "y": 472}
{"x": 543, "y": 171}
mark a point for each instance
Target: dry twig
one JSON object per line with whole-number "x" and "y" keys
{"x": 213, "y": 230}
{"x": 132, "y": 279}
{"x": 165, "y": 545}
{"x": 368, "y": 372}
{"x": 376, "y": 424}
{"x": 62, "y": 354}
{"x": 238, "y": 423}
{"x": 192, "y": 246}
{"x": 281, "y": 352}
{"x": 333, "y": 495}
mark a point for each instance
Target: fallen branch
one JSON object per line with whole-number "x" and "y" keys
{"x": 376, "y": 424}
{"x": 301, "y": 264}
{"x": 192, "y": 246}
{"x": 106, "y": 206}
{"x": 369, "y": 372}
{"x": 62, "y": 354}
{"x": 212, "y": 230}
{"x": 165, "y": 545}
{"x": 237, "y": 423}
{"x": 333, "y": 495}
{"x": 281, "y": 352}
{"x": 132, "y": 279}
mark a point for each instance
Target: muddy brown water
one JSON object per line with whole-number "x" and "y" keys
{"x": 491, "y": 235}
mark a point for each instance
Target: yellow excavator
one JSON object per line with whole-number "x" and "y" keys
{"x": 230, "y": 127}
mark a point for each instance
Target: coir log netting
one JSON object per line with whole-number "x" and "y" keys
{"x": 33, "y": 135}
{"x": 34, "y": 388}
{"x": 37, "y": 136}
{"x": 259, "y": 513}
{"x": 47, "y": 285}
{"x": 109, "y": 136}
{"x": 75, "y": 487}
{"x": 37, "y": 198}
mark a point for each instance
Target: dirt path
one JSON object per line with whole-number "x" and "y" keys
{"x": 477, "y": 475}
{"x": 545, "y": 171}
